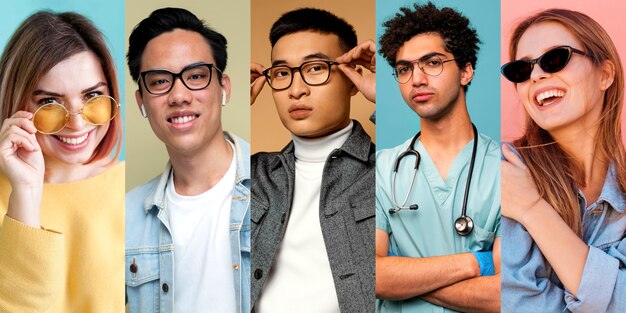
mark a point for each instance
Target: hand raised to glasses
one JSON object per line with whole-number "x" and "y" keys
{"x": 21, "y": 160}
{"x": 519, "y": 192}
{"x": 257, "y": 80}
{"x": 363, "y": 54}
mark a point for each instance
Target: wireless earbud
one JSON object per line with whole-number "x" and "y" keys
{"x": 223, "y": 98}
{"x": 143, "y": 111}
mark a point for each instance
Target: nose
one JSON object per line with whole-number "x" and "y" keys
{"x": 419, "y": 78}
{"x": 298, "y": 87}
{"x": 179, "y": 94}
{"x": 76, "y": 120}
{"x": 537, "y": 73}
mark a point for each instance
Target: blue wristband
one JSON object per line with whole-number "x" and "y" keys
{"x": 485, "y": 262}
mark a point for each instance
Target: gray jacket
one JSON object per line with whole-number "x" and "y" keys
{"x": 347, "y": 217}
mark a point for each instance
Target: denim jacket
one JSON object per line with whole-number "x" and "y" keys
{"x": 529, "y": 284}
{"x": 150, "y": 249}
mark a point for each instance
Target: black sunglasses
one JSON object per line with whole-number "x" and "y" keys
{"x": 552, "y": 61}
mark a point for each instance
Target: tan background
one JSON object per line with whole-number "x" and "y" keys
{"x": 268, "y": 133}
{"x": 145, "y": 154}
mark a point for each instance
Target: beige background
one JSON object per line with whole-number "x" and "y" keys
{"x": 145, "y": 154}
{"x": 268, "y": 133}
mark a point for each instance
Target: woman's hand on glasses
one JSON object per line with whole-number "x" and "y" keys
{"x": 257, "y": 80}
{"x": 21, "y": 160}
{"x": 364, "y": 54}
{"x": 519, "y": 192}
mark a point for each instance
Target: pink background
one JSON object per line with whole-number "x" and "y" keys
{"x": 608, "y": 13}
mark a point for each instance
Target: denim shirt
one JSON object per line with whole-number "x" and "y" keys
{"x": 529, "y": 284}
{"x": 150, "y": 248}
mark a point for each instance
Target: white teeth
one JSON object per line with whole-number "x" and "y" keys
{"x": 73, "y": 140}
{"x": 549, "y": 94}
{"x": 183, "y": 119}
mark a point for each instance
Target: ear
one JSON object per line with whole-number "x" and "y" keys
{"x": 467, "y": 74}
{"x": 354, "y": 90}
{"x": 140, "y": 102}
{"x": 607, "y": 75}
{"x": 225, "y": 87}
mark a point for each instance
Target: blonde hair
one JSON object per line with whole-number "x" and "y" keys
{"x": 43, "y": 40}
{"x": 554, "y": 171}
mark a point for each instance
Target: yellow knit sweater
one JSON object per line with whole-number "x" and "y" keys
{"x": 75, "y": 264}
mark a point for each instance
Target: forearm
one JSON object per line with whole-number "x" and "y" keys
{"x": 400, "y": 278}
{"x": 480, "y": 294}
{"x": 563, "y": 249}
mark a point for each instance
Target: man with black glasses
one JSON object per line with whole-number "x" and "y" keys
{"x": 438, "y": 193}
{"x": 187, "y": 231}
{"x": 313, "y": 202}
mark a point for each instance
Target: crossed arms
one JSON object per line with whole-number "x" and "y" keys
{"x": 452, "y": 281}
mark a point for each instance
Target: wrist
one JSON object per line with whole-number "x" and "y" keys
{"x": 474, "y": 268}
{"x": 531, "y": 212}
{"x": 24, "y": 205}
{"x": 485, "y": 262}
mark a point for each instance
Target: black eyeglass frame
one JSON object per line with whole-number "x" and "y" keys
{"x": 179, "y": 75}
{"x": 266, "y": 73}
{"x": 417, "y": 62}
{"x": 537, "y": 60}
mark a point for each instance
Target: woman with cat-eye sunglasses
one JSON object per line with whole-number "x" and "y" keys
{"x": 564, "y": 179}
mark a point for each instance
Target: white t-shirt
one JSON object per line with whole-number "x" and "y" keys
{"x": 203, "y": 272}
{"x": 301, "y": 280}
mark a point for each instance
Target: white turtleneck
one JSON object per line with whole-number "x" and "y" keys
{"x": 301, "y": 279}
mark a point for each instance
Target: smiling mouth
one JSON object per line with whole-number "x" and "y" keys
{"x": 549, "y": 96}
{"x": 182, "y": 119}
{"x": 74, "y": 141}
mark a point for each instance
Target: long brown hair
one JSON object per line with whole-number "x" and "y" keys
{"x": 42, "y": 41}
{"x": 554, "y": 171}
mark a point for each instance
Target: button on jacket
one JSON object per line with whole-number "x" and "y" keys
{"x": 150, "y": 249}
{"x": 346, "y": 216}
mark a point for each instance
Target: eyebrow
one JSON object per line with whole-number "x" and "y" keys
{"x": 182, "y": 70}
{"x": 424, "y": 57}
{"x": 312, "y": 56}
{"x": 40, "y": 92}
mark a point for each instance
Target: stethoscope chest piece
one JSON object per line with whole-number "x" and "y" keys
{"x": 464, "y": 225}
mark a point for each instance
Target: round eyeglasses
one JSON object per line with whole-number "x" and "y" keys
{"x": 431, "y": 66}
{"x": 313, "y": 73}
{"x": 194, "y": 77}
{"x": 52, "y": 118}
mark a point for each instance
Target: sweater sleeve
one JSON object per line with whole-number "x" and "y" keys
{"x": 30, "y": 263}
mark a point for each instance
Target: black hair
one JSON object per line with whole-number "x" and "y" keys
{"x": 316, "y": 20}
{"x": 166, "y": 20}
{"x": 459, "y": 38}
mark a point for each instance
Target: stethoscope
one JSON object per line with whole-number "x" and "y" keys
{"x": 464, "y": 224}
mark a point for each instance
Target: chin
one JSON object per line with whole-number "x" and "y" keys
{"x": 79, "y": 159}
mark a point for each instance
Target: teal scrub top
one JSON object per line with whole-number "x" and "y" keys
{"x": 429, "y": 231}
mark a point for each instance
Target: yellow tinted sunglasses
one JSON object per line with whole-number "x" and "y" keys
{"x": 51, "y": 118}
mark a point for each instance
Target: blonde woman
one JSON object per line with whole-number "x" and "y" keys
{"x": 563, "y": 181}
{"x": 61, "y": 186}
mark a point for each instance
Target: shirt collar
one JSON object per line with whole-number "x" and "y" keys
{"x": 611, "y": 191}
